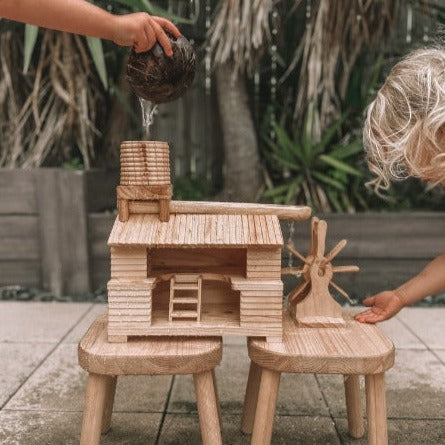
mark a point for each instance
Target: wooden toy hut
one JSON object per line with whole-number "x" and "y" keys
{"x": 189, "y": 268}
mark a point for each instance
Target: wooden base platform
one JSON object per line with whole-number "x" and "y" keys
{"x": 215, "y": 320}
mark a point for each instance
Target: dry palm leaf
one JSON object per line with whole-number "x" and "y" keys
{"x": 50, "y": 113}
{"x": 336, "y": 34}
{"x": 240, "y": 31}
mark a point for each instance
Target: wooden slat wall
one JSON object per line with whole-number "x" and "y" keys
{"x": 264, "y": 264}
{"x": 261, "y": 307}
{"x": 129, "y": 306}
{"x": 129, "y": 263}
{"x": 19, "y": 229}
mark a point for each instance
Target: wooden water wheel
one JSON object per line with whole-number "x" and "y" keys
{"x": 311, "y": 302}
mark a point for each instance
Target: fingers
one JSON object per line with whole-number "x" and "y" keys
{"x": 370, "y": 301}
{"x": 167, "y": 25}
{"x": 151, "y": 36}
{"x": 162, "y": 38}
{"x": 370, "y": 316}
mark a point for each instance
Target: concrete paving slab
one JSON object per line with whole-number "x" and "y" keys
{"x": 400, "y": 335}
{"x": 440, "y": 353}
{"x": 18, "y": 361}
{"x": 238, "y": 340}
{"x": 304, "y": 430}
{"x": 63, "y": 428}
{"x": 332, "y": 386}
{"x": 38, "y": 322}
{"x": 180, "y": 429}
{"x": 415, "y": 387}
{"x": 79, "y": 330}
{"x": 298, "y": 394}
{"x": 231, "y": 377}
{"x": 59, "y": 385}
{"x": 402, "y": 432}
{"x": 427, "y": 324}
{"x": 184, "y": 428}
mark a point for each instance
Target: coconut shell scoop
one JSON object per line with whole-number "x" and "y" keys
{"x": 157, "y": 78}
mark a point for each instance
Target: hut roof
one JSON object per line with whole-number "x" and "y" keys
{"x": 197, "y": 231}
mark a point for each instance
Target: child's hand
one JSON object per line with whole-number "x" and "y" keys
{"x": 142, "y": 30}
{"x": 384, "y": 305}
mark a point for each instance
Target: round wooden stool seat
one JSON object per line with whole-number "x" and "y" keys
{"x": 356, "y": 348}
{"x": 153, "y": 355}
{"x": 352, "y": 350}
{"x": 106, "y": 361}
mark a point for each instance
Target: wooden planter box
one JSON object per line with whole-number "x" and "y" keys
{"x": 53, "y": 234}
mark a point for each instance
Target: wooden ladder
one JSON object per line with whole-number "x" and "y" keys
{"x": 178, "y": 284}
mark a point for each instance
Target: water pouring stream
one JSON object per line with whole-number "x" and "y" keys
{"x": 148, "y": 111}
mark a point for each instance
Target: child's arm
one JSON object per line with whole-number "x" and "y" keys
{"x": 81, "y": 17}
{"x": 386, "y": 304}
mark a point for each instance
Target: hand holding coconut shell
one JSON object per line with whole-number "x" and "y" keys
{"x": 142, "y": 31}
{"x": 139, "y": 30}
{"x": 157, "y": 78}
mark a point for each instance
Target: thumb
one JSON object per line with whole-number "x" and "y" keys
{"x": 369, "y": 301}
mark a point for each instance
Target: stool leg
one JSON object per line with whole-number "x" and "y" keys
{"x": 265, "y": 410}
{"x": 376, "y": 409}
{"x": 109, "y": 401}
{"x": 217, "y": 397}
{"x": 353, "y": 406}
{"x": 207, "y": 408}
{"x": 251, "y": 398}
{"x": 94, "y": 408}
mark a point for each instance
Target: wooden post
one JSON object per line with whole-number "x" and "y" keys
{"x": 376, "y": 409}
{"x": 62, "y": 207}
{"x": 94, "y": 409}
{"x": 207, "y": 408}
{"x": 110, "y": 391}
{"x": 353, "y": 406}
{"x": 251, "y": 398}
{"x": 265, "y": 410}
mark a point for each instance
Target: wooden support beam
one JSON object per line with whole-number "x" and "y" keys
{"x": 295, "y": 213}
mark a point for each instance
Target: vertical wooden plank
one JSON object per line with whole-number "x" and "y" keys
{"x": 61, "y": 198}
{"x": 73, "y": 220}
{"x": 50, "y": 253}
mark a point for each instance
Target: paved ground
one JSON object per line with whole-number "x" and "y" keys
{"x": 42, "y": 387}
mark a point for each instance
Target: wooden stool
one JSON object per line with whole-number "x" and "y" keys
{"x": 154, "y": 356}
{"x": 357, "y": 349}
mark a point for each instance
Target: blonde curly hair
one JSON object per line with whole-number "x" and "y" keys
{"x": 404, "y": 133}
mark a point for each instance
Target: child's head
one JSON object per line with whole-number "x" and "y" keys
{"x": 404, "y": 133}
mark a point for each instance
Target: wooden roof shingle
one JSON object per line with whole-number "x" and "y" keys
{"x": 197, "y": 231}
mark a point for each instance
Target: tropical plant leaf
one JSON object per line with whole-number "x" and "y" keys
{"x": 156, "y": 10}
{"x": 275, "y": 191}
{"x": 333, "y": 199}
{"x": 97, "y": 52}
{"x": 31, "y": 33}
{"x": 340, "y": 165}
{"x": 330, "y": 133}
{"x": 345, "y": 151}
{"x": 328, "y": 180}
